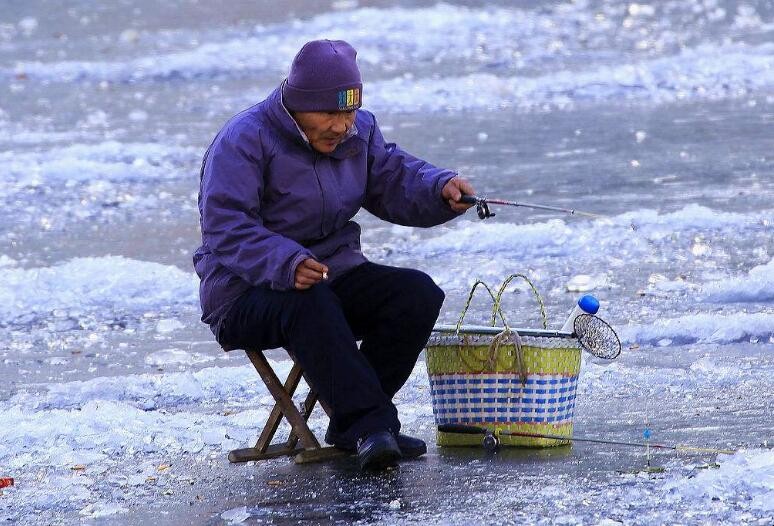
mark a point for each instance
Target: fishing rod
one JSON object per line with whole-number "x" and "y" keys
{"x": 491, "y": 441}
{"x": 482, "y": 207}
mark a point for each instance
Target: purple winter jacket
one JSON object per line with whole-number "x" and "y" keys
{"x": 268, "y": 201}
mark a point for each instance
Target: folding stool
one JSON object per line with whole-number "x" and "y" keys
{"x": 302, "y": 444}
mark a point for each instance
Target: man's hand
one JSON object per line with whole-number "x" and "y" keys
{"x": 455, "y": 189}
{"x": 309, "y": 272}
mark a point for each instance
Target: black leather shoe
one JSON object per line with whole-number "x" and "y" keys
{"x": 411, "y": 447}
{"x": 378, "y": 451}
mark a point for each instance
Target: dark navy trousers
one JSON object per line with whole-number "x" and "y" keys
{"x": 390, "y": 310}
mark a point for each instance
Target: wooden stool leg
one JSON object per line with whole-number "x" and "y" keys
{"x": 306, "y": 411}
{"x": 297, "y": 422}
{"x": 317, "y": 454}
{"x": 275, "y": 417}
{"x": 264, "y": 449}
{"x": 310, "y": 450}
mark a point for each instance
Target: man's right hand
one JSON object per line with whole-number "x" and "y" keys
{"x": 309, "y": 272}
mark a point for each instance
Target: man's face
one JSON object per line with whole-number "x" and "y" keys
{"x": 325, "y": 130}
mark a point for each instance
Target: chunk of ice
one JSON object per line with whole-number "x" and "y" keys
{"x": 236, "y": 515}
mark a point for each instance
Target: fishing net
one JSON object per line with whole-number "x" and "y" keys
{"x": 597, "y": 337}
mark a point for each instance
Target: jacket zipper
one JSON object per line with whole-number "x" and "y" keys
{"x": 317, "y": 158}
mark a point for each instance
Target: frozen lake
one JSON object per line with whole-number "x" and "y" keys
{"x": 116, "y": 405}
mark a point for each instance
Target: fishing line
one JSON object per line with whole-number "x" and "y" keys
{"x": 594, "y": 335}
{"x": 484, "y": 212}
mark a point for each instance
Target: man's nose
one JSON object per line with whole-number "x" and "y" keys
{"x": 340, "y": 123}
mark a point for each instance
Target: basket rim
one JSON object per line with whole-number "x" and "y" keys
{"x": 489, "y": 330}
{"x": 561, "y": 341}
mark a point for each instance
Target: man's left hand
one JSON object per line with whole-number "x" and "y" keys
{"x": 454, "y": 190}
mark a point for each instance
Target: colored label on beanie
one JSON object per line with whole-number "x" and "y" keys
{"x": 349, "y": 99}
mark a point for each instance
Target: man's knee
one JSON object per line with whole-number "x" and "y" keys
{"x": 432, "y": 293}
{"x": 425, "y": 297}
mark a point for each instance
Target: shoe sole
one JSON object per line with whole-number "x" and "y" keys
{"x": 406, "y": 453}
{"x": 382, "y": 460}
{"x": 413, "y": 453}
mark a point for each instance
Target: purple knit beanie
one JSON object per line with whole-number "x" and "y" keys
{"x": 323, "y": 77}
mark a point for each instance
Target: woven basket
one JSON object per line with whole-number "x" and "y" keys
{"x": 506, "y": 383}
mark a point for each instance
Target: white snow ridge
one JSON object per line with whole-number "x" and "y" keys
{"x": 104, "y": 284}
{"x": 756, "y": 286}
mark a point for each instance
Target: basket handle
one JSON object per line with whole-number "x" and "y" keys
{"x": 507, "y": 333}
{"x": 501, "y": 290}
{"x": 495, "y": 309}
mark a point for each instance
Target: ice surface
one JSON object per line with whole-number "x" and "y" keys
{"x": 103, "y": 423}
{"x": 515, "y": 39}
{"x": 112, "y": 410}
{"x": 167, "y": 326}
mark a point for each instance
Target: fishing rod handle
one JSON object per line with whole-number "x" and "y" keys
{"x": 468, "y": 199}
{"x": 490, "y": 441}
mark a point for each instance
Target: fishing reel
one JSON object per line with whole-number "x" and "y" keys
{"x": 491, "y": 442}
{"x": 482, "y": 207}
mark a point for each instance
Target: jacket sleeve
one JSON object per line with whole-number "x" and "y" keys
{"x": 403, "y": 189}
{"x": 230, "y": 206}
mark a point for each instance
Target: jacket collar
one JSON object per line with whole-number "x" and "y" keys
{"x": 289, "y": 127}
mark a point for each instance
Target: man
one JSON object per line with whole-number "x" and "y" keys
{"x": 280, "y": 262}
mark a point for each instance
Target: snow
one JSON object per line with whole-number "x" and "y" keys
{"x": 28, "y": 25}
{"x": 87, "y": 284}
{"x": 704, "y": 328}
{"x": 708, "y": 72}
{"x": 558, "y": 237}
{"x": 756, "y": 286}
{"x": 236, "y": 515}
{"x": 413, "y": 32}
{"x": 747, "y": 474}
{"x": 517, "y": 40}
{"x": 584, "y": 283}
{"x": 175, "y": 357}
{"x": 149, "y": 391}
{"x": 109, "y": 160}
{"x": 167, "y": 326}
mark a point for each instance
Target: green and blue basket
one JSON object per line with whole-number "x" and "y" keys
{"x": 506, "y": 383}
